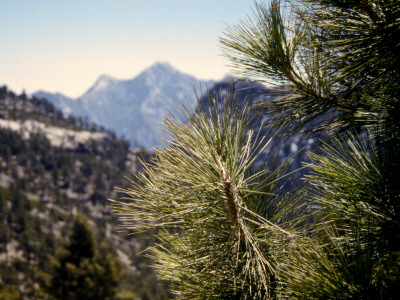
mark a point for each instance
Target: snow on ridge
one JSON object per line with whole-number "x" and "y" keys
{"x": 58, "y": 137}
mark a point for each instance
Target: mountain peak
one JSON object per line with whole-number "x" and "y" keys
{"x": 135, "y": 107}
{"x": 104, "y": 80}
{"x": 105, "y": 77}
{"x": 160, "y": 68}
{"x": 165, "y": 66}
{"x": 160, "y": 73}
{"x": 102, "y": 83}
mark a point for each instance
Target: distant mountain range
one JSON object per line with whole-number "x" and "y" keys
{"x": 133, "y": 108}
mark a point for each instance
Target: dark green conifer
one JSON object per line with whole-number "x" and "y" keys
{"x": 81, "y": 272}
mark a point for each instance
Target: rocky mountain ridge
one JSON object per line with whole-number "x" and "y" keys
{"x": 133, "y": 108}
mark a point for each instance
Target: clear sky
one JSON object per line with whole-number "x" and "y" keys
{"x": 64, "y": 46}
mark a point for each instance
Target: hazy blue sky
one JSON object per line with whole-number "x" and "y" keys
{"x": 63, "y": 46}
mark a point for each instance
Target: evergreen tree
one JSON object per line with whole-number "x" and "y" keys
{"x": 337, "y": 62}
{"x": 81, "y": 272}
{"x": 230, "y": 225}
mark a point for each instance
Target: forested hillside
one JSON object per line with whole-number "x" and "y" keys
{"x": 56, "y": 176}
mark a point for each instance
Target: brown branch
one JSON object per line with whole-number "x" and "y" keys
{"x": 231, "y": 202}
{"x": 368, "y": 8}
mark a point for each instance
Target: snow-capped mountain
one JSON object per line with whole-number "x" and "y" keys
{"x": 133, "y": 108}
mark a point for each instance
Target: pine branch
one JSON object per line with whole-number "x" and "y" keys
{"x": 200, "y": 191}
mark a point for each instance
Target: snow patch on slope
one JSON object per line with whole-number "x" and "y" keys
{"x": 58, "y": 137}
